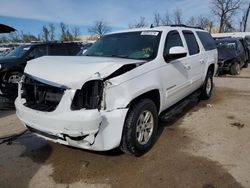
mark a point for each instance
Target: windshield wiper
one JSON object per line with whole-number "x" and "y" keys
{"x": 117, "y": 55}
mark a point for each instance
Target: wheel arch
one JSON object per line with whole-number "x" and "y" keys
{"x": 211, "y": 68}
{"x": 153, "y": 95}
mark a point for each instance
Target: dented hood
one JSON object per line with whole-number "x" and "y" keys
{"x": 73, "y": 72}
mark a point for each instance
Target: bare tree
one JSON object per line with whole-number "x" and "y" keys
{"x": 139, "y": 23}
{"x": 99, "y": 28}
{"x": 178, "y": 17}
{"x": 52, "y": 34}
{"x": 66, "y": 35}
{"x": 225, "y": 10}
{"x": 45, "y": 33}
{"x": 166, "y": 20}
{"x": 245, "y": 19}
{"x": 204, "y": 22}
{"x": 191, "y": 21}
{"x": 28, "y": 38}
{"x": 63, "y": 28}
{"x": 157, "y": 19}
{"x": 76, "y": 33}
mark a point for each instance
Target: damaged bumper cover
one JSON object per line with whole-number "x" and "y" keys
{"x": 88, "y": 129}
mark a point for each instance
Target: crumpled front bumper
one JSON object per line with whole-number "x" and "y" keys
{"x": 87, "y": 129}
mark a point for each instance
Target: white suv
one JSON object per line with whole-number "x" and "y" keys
{"x": 112, "y": 96}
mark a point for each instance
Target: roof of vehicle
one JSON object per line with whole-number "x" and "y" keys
{"x": 6, "y": 29}
{"x": 159, "y": 28}
{"x": 235, "y": 34}
{"x": 227, "y": 39}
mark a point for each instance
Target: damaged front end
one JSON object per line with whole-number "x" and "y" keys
{"x": 39, "y": 95}
{"x": 68, "y": 116}
{"x": 89, "y": 96}
{"x": 58, "y": 113}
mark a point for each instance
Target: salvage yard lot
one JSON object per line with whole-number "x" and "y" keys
{"x": 208, "y": 145}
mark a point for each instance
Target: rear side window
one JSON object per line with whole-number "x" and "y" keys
{"x": 58, "y": 49}
{"x": 173, "y": 39}
{"x": 192, "y": 44}
{"x": 206, "y": 40}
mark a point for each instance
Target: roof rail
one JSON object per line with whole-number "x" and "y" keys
{"x": 183, "y": 25}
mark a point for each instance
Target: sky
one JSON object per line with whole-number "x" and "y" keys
{"x": 30, "y": 15}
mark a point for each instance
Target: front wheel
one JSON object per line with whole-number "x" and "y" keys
{"x": 140, "y": 128}
{"x": 207, "y": 88}
{"x": 246, "y": 65}
{"x": 235, "y": 69}
{"x": 14, "y": 77}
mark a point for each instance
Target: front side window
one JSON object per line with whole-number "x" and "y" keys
{"x": 141, "y": 45}
{"x": 173, "y": 39}
{"x": 19, "y": 51}
{"x": 192, "y": 44}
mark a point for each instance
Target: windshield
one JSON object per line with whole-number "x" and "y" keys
{"x": 19, "y": 51}
{"x": 132, "y": 45}
{"x": 231, "y": 45}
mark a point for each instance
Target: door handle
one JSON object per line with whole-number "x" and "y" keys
{"x": 202, "y": 61}
{"x": 187, "y": 66}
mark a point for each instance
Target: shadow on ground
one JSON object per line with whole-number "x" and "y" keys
{"x": 6, "y": 107}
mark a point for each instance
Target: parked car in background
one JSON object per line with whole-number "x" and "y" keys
{"x": 112, "y": 96}
{"x": 84, "y": 48}
{"x": 233, "y": 55}
{"x": 12, "y": 65}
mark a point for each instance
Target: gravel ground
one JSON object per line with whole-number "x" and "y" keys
{"x": 206, "y": 146}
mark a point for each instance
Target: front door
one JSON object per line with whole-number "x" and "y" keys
{"x": 175, "y": 73}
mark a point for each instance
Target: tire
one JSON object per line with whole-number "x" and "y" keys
{"x": 14, "y": 77}
{"x": 246, "y": 65}
{"x": 235, "y": 69}
{"x": 207, "y": 88}
{"x": 133, "y": 139}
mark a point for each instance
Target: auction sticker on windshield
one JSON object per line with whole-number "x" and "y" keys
{"x": 154, "y": 33}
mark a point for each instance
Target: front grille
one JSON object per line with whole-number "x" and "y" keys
{"x": 40, "y": 96}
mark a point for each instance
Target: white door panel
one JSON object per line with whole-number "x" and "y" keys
{"x": 176, "y": 82}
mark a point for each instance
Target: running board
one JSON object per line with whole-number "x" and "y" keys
{"x": 179, "y": 107}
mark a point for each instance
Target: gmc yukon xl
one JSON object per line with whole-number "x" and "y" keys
{"x": 113, "y": 95}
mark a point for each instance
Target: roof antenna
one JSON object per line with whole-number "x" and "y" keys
{"x": 151, "y": 26}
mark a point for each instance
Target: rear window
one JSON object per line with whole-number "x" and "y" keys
{"x": 206, "y": 40}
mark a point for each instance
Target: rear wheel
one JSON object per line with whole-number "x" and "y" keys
{"x": 140, "y": 128}
{"x": 235, "y": 69}
{"x": 207, "y": 88}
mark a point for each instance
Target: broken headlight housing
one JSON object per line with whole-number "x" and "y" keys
{"x": 89, "y": 96}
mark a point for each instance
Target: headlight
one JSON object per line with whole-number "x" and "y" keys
{"x": 89, "y": 97}
{"x": 0, "y": 66}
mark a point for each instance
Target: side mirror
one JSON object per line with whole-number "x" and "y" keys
{"x": 175, "y": 53}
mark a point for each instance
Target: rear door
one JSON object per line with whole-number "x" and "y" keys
{"x": 196, "y": 60}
